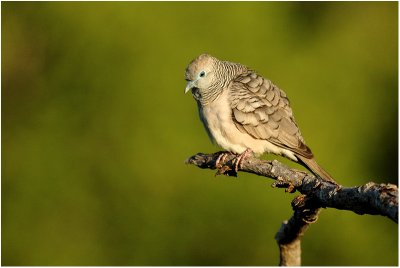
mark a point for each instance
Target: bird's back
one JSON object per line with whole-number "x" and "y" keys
{"x": 262, "y": 110}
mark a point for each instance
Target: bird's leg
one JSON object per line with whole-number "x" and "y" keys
{"x": 222, "y": 169}
{"x": 239, "y": 159}
{"x": 221, "y": 158}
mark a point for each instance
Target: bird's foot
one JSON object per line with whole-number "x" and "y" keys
{"x": 239, "y": 159}
{"x": 221, "y": 168}
{"x": 221, "y": 158}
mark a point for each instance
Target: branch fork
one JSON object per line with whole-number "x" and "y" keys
{"x": 371, "y": 198}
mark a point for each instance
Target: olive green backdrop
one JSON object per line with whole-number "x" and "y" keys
{"x": 96, "y": 128}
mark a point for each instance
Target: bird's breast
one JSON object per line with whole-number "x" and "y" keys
{"x": 217, "y": 120}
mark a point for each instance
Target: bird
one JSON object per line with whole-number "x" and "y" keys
{"x": 246, "y": 114}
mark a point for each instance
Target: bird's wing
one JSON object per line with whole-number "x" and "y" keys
{"x": 261, "y": 109}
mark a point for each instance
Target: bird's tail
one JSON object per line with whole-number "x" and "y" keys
{"x": 313, "y": 166}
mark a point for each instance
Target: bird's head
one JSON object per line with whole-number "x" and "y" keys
{"x": 200, "y": 73}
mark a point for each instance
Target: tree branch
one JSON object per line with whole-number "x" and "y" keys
{"x": 289, "y": 236}
{"x": 371, "y": 198}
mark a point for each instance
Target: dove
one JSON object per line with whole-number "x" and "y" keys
{"x": 244, "y": 113}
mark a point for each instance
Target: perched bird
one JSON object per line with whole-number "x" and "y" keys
{"x": 245, "y": 113}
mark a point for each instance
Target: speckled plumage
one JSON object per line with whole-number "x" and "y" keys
{"x": 242, "y": 110}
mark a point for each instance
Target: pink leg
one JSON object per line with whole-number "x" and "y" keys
{"x": 238, "y": 161}
{"x": 221, "y": 158}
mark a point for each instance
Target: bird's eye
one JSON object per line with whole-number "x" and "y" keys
{"x": 202, "y": 74}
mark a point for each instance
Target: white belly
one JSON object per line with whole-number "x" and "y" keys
{"x": 220, "y": 125}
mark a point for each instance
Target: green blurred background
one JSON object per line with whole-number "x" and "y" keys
{"x": 96, "y": 128}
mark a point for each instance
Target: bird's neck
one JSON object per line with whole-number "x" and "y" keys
{"x": 230, "y": 70}
{"x": 225, "y": 72}
{"x": 211, "y": 94}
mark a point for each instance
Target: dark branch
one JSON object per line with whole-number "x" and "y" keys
{"x": 371, "y": 198}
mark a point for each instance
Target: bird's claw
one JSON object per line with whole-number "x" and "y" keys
{"x": 237, "y": 162}
{"x": 221, "y": 158}
{"x": 223, "y": 170}
{"x": 239, "y": 159}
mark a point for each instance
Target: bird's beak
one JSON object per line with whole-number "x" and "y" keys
{"x": 189, "y": 86}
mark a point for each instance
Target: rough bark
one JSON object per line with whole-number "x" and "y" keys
{"x": 289, "y": 236}
{"x": 370, "y": 198}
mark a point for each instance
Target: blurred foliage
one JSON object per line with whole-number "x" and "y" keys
{"x": 96, "y": 129}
